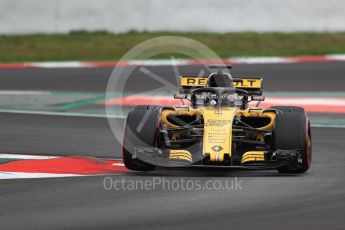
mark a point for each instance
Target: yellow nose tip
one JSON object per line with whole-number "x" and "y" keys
{"x": 216, "y": 157}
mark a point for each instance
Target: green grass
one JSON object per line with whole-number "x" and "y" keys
{"x": 106, "y": 46}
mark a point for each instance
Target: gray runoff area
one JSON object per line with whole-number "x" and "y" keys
{"x": 266, "y": 199}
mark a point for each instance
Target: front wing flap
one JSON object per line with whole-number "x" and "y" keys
{"x": 180, "y": 158}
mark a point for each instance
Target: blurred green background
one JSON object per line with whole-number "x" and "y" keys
{"x": 85, "y": 46}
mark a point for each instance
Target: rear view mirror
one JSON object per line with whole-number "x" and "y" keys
{"x": 258, "y": 98}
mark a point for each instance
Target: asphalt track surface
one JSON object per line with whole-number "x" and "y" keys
{"x": 328, "y": 76}
{"x": 264, "y": 200}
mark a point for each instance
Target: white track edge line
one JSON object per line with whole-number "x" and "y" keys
{"x": 25, "y": 157}
{"x": 66, "y": 114}
{"x": 22, "y": 175}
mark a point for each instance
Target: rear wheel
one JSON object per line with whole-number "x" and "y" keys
{"x": 291, "y": 132}
{"x": 140, "y": 130}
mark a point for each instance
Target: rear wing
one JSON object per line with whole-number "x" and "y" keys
{"x": 251, "y": 84}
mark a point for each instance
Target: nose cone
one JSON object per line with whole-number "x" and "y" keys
{"x": 218, "y": 133}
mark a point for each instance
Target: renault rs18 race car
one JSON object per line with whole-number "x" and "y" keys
{"x": 218, "y": 128}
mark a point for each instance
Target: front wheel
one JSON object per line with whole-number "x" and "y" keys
{"x": 140, "y": 130}
{"x": 291, "y": 132}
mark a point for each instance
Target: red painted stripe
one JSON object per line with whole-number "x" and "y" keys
{"x": 106, "y": 63}
{"x": 65, "y": 165}
{"x": 321, "y": 58}
{"x": 142, "y": 100}
{"x": 15, "y": 65}
{"x": 313, "y": 108}
{"x": 315, "y": 105}
{"x": 210, "y": 61}
{"x": 309, "y": 59}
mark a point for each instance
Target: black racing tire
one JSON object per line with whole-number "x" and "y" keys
{"x": 292, "y": 131}
{"x": 140, "y": 129}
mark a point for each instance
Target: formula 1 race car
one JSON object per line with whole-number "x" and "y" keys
{"x": 218, "y": 128}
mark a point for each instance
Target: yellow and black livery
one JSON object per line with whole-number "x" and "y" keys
{"x": 218, "y": 128}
